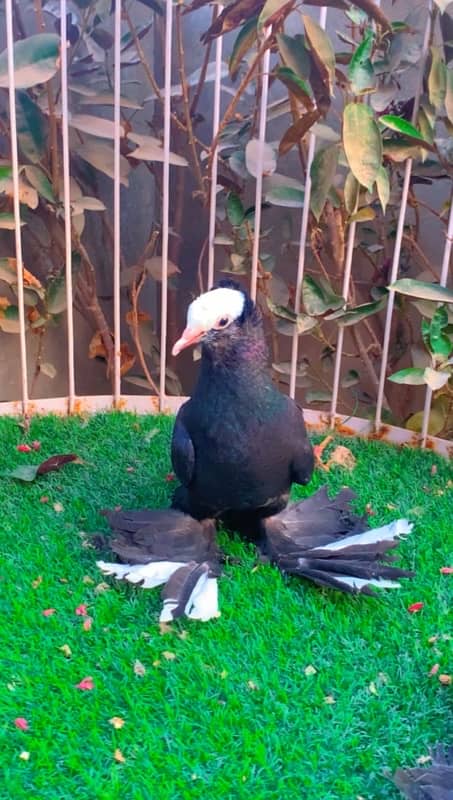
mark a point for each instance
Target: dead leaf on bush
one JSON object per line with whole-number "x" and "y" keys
{"x": 142, "y": 316}
{"x": 28, "y": 472}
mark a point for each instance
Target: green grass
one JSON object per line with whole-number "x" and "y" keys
{"x": 194, "y": 726}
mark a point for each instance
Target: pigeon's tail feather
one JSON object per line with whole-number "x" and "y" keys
{"x": 433, "y": 781}
{"x": 335, "y": 549}
{"x": 147, "y": 575}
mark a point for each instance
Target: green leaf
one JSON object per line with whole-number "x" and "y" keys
{"x": 351, "y": 193}
{"x": 425, "y": 291}
{"x": 318, "y": 397}
{"x": 365, "y": 214}
{"x": 100, "y": 155}
{"x": 360, "y": 70}
{"x": 413, "y": 376}
{"x": 26, "y": 473}
{"x": 449, "y": 94}
{"x": 435, "y": 378}
{"x": 350, "y": 379}
{"x": 294, "y": 54}
{"x": 244, "y": 41}
{"x": 400, "y": 151}
{"x": 56, "y": 294}
{"x": 362, "y": 143}
{"x": 296, "y": 86}
{"x": 351, "y": 316}
{"x": 39, "y": 180}
{"x": 279, "y": 190}
{"x": 439, "y": 343}
{"x": 97, "y": 126}
{"x": 9, "y": 320}
{"x": 437, "y": 79}
{"x": 319, "y": 297}
{"x": 383, "y": 187}
{"x": 36, "y": 60}
{"x": 235, "y": 209}
{"x": 31, "y": 128}
{"x": 404, "y": 127}
{"x": 323, "y": 171}
{"x": 322, "y": 49}
{"x": 436, "y": 422}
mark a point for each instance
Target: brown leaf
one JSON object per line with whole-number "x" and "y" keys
{"x": 58, "y": 507}
{"x": 86, "y": 579}
{"x": 252, "y": 686}
{"x": 165, "y": 628}
{"x": 297, "y": 131}
{"x": 127, "y": 358}
{"x": 117, "y": 722}
{"x": 96, "y": 348}
{"x": 118, "y": 756}
{"x": 101, "y": 587}
{"x": 446, "y": 680}
{"x": 56, "y": 462}
{"x": 139, "y": 668}
{"x": 142, "y": 316}
{"x": 37, "y": 582}
{"x": 329, "y": 700}
{"x": 4, "y": 303}
{"x": 66, "y": 650}
{"x": 310, "y": 670}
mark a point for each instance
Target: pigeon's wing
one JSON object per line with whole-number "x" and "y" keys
{"x": 431, "y": 782}
{"x": 182, "y": 449}
{"x": 303, "y": 461}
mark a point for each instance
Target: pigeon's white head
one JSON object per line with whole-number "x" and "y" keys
{"x": 210, "y": 312}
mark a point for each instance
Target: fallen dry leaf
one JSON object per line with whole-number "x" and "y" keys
{"x": 310, "y": 670}
{"x": 168, "y": 655}
{"x": 165, "y": 628}
{"x": 372, "y": 688}
{"x": 82, "y": 610}
{"x": 170, "y": 477}
{"x": 48, "y": 612}
{"x": 101, "y": 587}
{"x": 370, "y": 510}
{"x": 342, "y": 457}
{"x": 446, "y": 680}
{"x": 252, "y": 686}
{"x": 157, "y": 662}
{"x": 36, "y": 445}
{"x": 21, "y": 723}
{"x": 37, "y": 582}
{"x": 86, "y": 579}
{"x": 139, "y": 668}
{"x": 414, "y": 608}
{"x": 446, "y": 570}
{"x": 86, "y": 685}
{"x": 224, "y": 674}
{"x": 318, "y": 451}
{"x": 58, "y": 507}
{"x": 434, "y": 669}
{"x": 44, "y": 499}
{"x": 423, "y": 760}
{"x": 118, "y": 756}
{"x": 23, "y": 448}
{"x": 434, "y": 470}
{"x": 329, "y": 700}
{"x": 117, "y": 722}
{"x": 87, "y": 624}
{"x": 66, "y": 650}
{"x": 183, "y": 635}
{"x": 24, "y": 755}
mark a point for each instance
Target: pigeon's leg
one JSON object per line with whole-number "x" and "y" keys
{"x": 249, "y": 524}
{"x": 182, "y": 501}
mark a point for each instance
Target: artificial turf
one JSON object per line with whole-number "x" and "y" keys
{"x": 224, "y": 709}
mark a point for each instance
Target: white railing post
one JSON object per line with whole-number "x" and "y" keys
{"x": 400, "y": 231}
{"x": 67, "y": 205}
{"x": 215, "y": 162}
{"x": 117, "y": 205}
{"x": 16, "y": 202}
{"x": 165, "y": 198}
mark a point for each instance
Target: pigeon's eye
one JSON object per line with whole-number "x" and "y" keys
{"x": 222, "y": 322}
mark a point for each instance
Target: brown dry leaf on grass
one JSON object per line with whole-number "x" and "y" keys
{"x": 139, "y": 668}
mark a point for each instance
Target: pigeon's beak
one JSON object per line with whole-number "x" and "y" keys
{"x": 190, "y": 336}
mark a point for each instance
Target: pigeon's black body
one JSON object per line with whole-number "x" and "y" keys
{"x": 434, "y": 781}
{"x": 238, "y": 443}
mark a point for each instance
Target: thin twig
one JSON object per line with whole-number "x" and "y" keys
{"x": 53, "y": 138}
{"x": 412, "y": 243}
{"x": 134, "y": 329}
{"x": 204, "y": 67}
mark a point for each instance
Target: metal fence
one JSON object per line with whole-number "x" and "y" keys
{"x": 73, "y": 403}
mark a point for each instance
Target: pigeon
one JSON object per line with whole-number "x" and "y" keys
{"x": 167, "y": 547}
{"x": 238, "y": 443}
{"x": 323, "y": 540}
{"x": 429, "y": 782}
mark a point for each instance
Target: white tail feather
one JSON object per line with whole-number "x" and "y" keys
{"x": 360, "y": 583}
{"x": 149, "y": 575}
{"x": 387, "y": 533}
{"x": 205, "y": 601}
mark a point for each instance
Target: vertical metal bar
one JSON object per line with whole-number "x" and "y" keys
{"x": 303, "y": 241}
{"x": 215, "y": 163}
{"x": 117, "y": 204}
{"x": 259, "y": 167}
{"x": 340, "y": 336}
{"x": 400, "y": 231}
{"x": 165, "y": 198}
{"x": 443, "y": 282}
{"x": 16, "y": 204}
{"x": 67, "y": 205}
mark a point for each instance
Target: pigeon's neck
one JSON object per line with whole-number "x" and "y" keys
{"x": 243, "y": 360}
